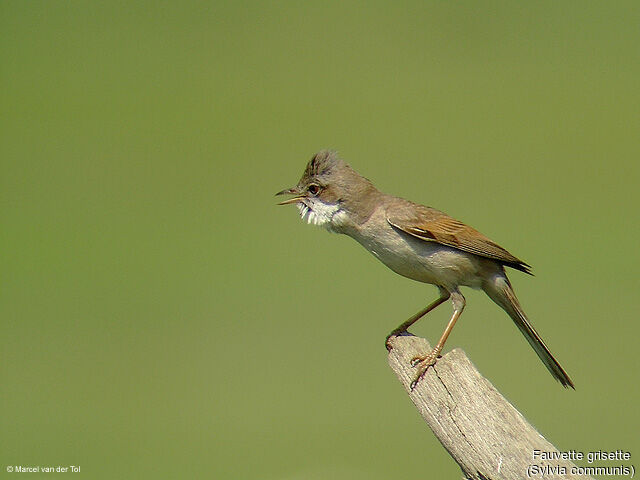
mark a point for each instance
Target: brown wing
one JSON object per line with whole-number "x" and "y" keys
{"x": 433, "y": 225}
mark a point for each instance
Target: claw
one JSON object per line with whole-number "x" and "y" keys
{"x": 394, "y": 333}
{"x": 387, "y": 344}
{"x": 423, "y": 364}
{"x": 421, "y": 372}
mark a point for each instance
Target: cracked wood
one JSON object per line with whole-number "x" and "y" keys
{"x": 479, "y": 428}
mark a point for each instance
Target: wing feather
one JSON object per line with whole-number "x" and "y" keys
{"x": 433, "y": 225}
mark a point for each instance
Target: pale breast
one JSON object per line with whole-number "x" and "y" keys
{"x": 420, "y": 260}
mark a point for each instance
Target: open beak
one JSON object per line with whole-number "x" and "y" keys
{"x": 290, "y": 191}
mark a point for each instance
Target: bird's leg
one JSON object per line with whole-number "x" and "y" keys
{"x": 444, "y": 295}
{"x": 424, "y": 362}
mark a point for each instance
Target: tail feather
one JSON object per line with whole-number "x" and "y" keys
{"x": 502, "y": 293}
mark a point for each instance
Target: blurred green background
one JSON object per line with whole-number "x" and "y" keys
{"x": 162, "y": 318}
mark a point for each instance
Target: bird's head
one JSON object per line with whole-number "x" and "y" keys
{"x": 328, "y": 191}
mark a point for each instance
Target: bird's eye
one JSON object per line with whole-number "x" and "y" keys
{"x": 313, "y": 189}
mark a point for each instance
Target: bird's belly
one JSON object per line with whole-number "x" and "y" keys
{"x": 426, "y": 261}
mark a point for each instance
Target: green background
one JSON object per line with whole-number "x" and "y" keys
{"x": 162, "y": 318}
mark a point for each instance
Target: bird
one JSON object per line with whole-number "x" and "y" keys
{"x": 417, "y": 242}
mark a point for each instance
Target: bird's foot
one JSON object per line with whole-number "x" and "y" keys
{"x": 394, "y": 333}
{"x": 423, "y": 363}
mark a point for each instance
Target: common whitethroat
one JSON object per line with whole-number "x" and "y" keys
{"x": 417, "y": 242}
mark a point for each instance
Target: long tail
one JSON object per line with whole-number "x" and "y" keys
{"x": 500, "y": 291}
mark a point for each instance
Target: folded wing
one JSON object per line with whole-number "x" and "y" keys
{"x": 432, "y": 225}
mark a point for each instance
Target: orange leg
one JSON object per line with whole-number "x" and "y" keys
{"x": 424, "y": 362}
{"x": 444, "y": 295}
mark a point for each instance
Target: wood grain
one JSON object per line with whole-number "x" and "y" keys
{"x": 479, "y": 428}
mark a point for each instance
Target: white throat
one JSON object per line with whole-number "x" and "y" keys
{"x": 321, "y": 214}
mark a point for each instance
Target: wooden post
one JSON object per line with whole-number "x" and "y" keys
{"x": 479, "y": 428}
